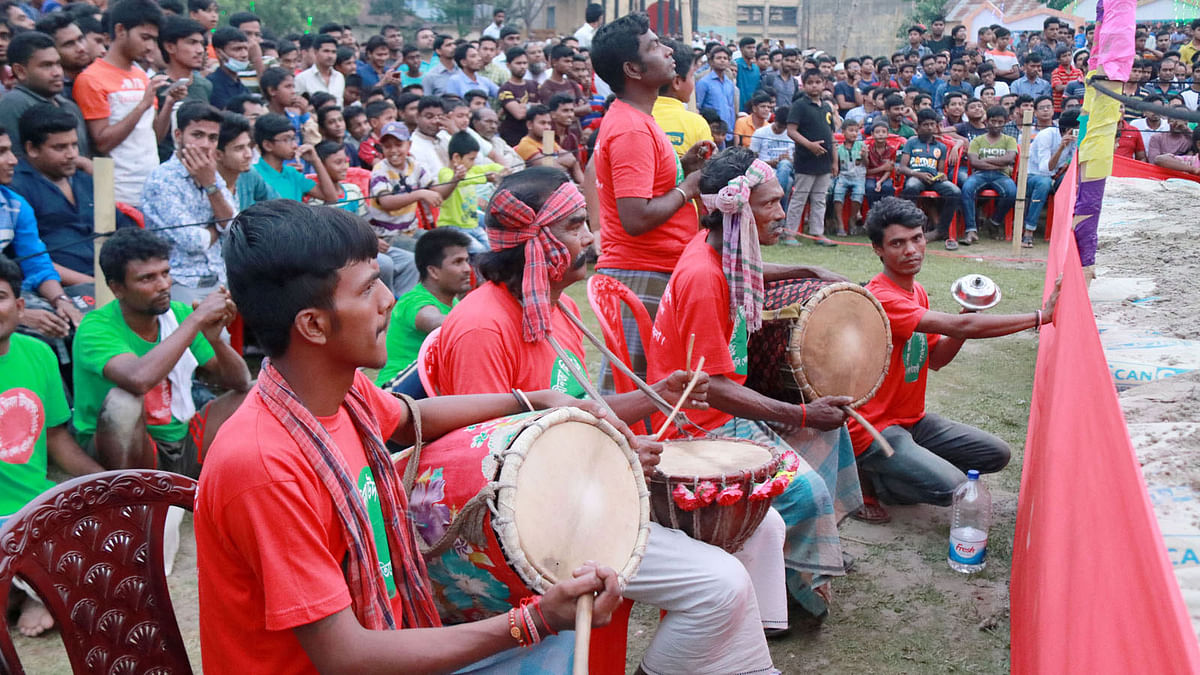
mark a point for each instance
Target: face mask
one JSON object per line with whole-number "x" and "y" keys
{"x": 235, "y": 65}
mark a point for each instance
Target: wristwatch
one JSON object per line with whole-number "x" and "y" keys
{"x": 210, "y": 189}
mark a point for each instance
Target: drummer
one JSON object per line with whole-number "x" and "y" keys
{"x": 497, "y": 340}
{"x": 716, "y": 294}
{"x": 306, "y": 555}
{"x": 931, "y": 452}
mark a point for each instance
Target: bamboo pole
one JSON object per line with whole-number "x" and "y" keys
{"x": 1018, "y": 228}
{"x": 105, "y": 220}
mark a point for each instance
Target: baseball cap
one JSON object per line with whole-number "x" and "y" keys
{"x": 396, "y": 130}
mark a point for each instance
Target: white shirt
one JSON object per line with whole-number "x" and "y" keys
{"x": 1042, "y": 150}
{"x": 310, "y": 82}
{"x": 585, "y": 34}
{"x": 770, "y": 145}
{"x": 1190, "y": 98}
{"x": 1147, "y": 131}
{"x": 1000, "y": 86}
{"x": 492, "y": 30}
{"x": 429, "y": 153}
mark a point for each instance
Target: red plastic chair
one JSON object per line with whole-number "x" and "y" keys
{"x": 606, "y": 295}
{"x": 427, "y": 355}
{"x": 92, "y": 548}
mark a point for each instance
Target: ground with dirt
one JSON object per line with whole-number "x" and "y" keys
{"x": 903, "y": 610}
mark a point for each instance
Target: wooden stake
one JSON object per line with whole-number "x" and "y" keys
{"x": 105, "y": 219}
{"x": 548, "y": 147}
{"x": 1018, "y": 228}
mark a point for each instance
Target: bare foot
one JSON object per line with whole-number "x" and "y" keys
{"x": 34, "y": 619}
{"x": 825, "y": 590}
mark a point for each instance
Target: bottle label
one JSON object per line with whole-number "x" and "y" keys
{"x": 967, "y": 552}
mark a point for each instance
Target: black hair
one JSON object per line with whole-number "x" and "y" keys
{"x": 1032, "y": 57}
{"x": 326, "y": 148}
{"x": 271, "y": 79}
{"x": 283, "y": 257}
{"x": 226, "y": 35}
{"x": 533, "y": 187}
{"x": 53, "y": 22}
{"x": 1022, "y": 99}
{"x": 238, "y": 18}
{"x": 746, "y": 41}
{"x": 10, "y": 271}
{"x": 508, "y": 30}
{"x": 323, "y": 113}
{"x": 269, "y": 126}
{"x": 200, "y": 5}
{"x": 376, "y": 109}
{"x": 406, "y": 99}
{"x": 1001, "y": 31}
{"x": 134, "y": 13}
{"x": 462, "y": 144}
{"x": 558, "y": 100}
{"x": 375, "y": 42}
{"x": 351, "y": 112}
{"x": 460, "y": 53}
{"x": 984, "y": 67}
{"x": 237, "y": 104}
{"x": 996, "y": 111}
{"x": 441, "y": 40}
{"x": 927, "y": 114}
{"x": 1039, "y": 99}
{"x": 427, "y": 102}
{"x": 320, "y": 99}
{"x": 344, "y": 54}
{"x": 196, "y": 111}
{"x": 593, "y": 13}
{"x": 287, "y": 47}
{"x": 614, "y": 45}
{"x": 328, "y": 28}
{"x": 560, "y": 51}
{"x": 761, "y": 97}
{"x": 514, "y": 53}
{"x": 23, "y": 45}
{"x": 355, "y": 80}
{"x": 536, "y": 110}
{"x": 324, "y": 39}
{"x": 39, "y": 121}
{"x": 170, "y": 6}
{"x": 232, "y": 126}
{"x": 892, "y": 211}
{"x": 921, "y": 97}
{"x": 928, "y": 57}
{"x": 473, "y": 94}
{"x": 305, "y": 41}
{"x": 431, "y": 247}
{"x": 89, "y": 25}
{"x": 1069, "y": 119}
{"x": 716, "y": 174}
{"x": 176, "y": 28}
{"x": 408, "y": 49}
{"x": 488, "y": 38}
{"x": 126, "y": 245}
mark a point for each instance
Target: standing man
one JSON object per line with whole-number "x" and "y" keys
{"x": 434, "y": 80}
{"x": 233, "y": 53}
{"x": 117, "y": 99}
{"x": 515, "y": 97}
{"x": 645, "y": 189}
{"x": 187, "y": 188}
{"x": 748, "y": 75}
{"x": 810, "y": 126}
{"x": 782, "y": 83}
{"x": 38, "y": 69}
{"x": 467, "y": 77}
{"x": 937, "y": 41}
{"x": 716, "y": 90}
{"x": 71, "y": 45}
{"x": 593, "y": 16}
{"x": 562, "y": 62}
{"x": 322, "y": 76}
{"x": 183, "y": 43}
{"x": 493, "y": 28}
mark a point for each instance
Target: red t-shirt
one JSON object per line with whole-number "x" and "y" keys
{"x": 697, "y": 302}
{"x": 269, "y": 544}
{"x": 901, "y": 397}
{"x": 480, "y": 349}
{"x": 1129, "y": 142}
{"x": 634, "y": 158}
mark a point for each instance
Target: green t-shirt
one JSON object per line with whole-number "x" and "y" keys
{"x": 985, "y": 148}
{"x": 288, "y": 184}
{"x": 403, "y": 338}
{"x": 103, "y": 335}
{"x": 31, "y": 401}
{"x": 461, "y": 208}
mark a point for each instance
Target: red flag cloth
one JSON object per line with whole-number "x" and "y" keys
{"x": 1092, "y": 589}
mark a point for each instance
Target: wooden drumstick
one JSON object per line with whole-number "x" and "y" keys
{"x": 687, "y": 391}
{"x": 887, "y": 447}
{"x": 687, "y": 365}
{"x": 583, "y": 632}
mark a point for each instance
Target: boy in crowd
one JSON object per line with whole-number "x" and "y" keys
{"x": 1065, "y": 73}
{"x": 976, "y": 120}
{"x": 235, "y": 157}
{"x": 810, "y": 125}
{"x": 992, "y": 156}
{"x": 276, "y": 140}
{"x": 358, "y": 128}
{"x": 775, "y": 147}
{"x": 537, "y": 122}
{"x": 379, "y": 114}
{"x": 760, "y": 113}
{"x": 561, "y": 63}
{"x": 428, "y": 149}
{"x": 564, "y": 123}
{"x": 1004, "y": 60}
{"x": 350, "y": 196}
{"x": 683, "y": 127}
{"x": 880, "y": 162}
{"x": 461, "y": 208}
{"x": 850, "y": 177}
{"x": 922, "y": 163}
{"x": 37, "y": 66}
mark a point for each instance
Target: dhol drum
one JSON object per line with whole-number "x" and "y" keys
{"x": 510, "y": 506}
{"x": 717, "y": 490}
{"x": 819, "y": 338}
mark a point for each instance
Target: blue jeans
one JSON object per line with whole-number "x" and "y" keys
{"x": 931, "y": 459}
{"x": 1039, "y": 189}
{"x": 949, "y": 192}
{"x": 850, "y": 183}
{"x": 983, "y": 180}
{"x": 784, "y": 173}
{"x": 885, "y": 190}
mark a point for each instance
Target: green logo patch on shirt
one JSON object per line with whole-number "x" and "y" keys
{"x": 737, "y": 346}
{"x": 916, "y": 350}
{"x": 562, "y": 380}
{"x": 369, "y": 493}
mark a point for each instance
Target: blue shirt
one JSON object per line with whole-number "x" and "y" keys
{"x": 944, "y": 87}
{"x": 459, "y": 84}
{"x": 1036, "y": 89}
{"x": 224, "y": 87}
{"x": 748, "y": 77}
{"x": 925, "y": 84}
{"x": 19, "y": 238}
{"x": 287, "y": 184}
{"x": 170, "y": 198}
{"x": 62, "y": 226}
{"x": 718, "y": 94}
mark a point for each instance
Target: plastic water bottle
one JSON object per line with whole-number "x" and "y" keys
{"x": 970, "y": 518}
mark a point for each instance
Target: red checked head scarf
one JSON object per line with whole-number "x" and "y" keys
{"x": 546, "y": 258}
{"x": 741, "y": 255}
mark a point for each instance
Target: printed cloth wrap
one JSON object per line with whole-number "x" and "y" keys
{"x": 741, "y": 254}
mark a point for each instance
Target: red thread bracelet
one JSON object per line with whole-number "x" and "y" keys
{"x": 537, "y": 606}
{"x": 803, "y": 414}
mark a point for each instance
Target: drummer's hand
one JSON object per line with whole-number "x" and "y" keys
{"x": 549, "y": 398}
{"x": 826, "y": 412}
{"x": 558, "y": 604}
{"x": 671, "y": 388}
{"x": 649, "y": 452}
{"x": 1052, "y": 302}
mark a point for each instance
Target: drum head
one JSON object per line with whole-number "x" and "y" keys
{"x": 705, "y": 457}
{"x": 576, "y": 500}
{"x": 843, "y": 345}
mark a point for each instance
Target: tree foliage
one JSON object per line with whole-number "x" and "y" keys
{"x": 923, "y": 12}
{"x": 285, "y": 16}
{"x": 460, "y": 13}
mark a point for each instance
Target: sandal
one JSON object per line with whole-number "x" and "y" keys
{"x": 872, "y": 512}
{"x": 1027, "y": 241}
{"x": 951, "y": 245}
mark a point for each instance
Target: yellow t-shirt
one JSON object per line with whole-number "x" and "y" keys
{"x": 684, "y": 127}
{"x": 1187, "y": 51}
{"x": 744, "y": 128}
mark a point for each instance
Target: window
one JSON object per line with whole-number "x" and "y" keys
{"x": 551, "y": 18}
{"x": 751, "y": 15}
{"x": 783, "y": 16}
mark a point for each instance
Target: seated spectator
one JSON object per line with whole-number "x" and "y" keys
{"x": 30, "y": 381}
{"x": 992, "y": 157}
{"x": 922, "y": 163}
{"x": 456, "y": 117}
{"x": 851, "y": 176}
{"x": 1043, "y": 113}
{"x": 379, "y": 114}
{"x": 346, "y": 63}
{"x": 1032, "y": 83}
{"x": 350, "y": 196}
{"x": 1049, "y": 156}
{"x": 332, "y": 124}
{"x": 467, "y": 77}
{"x": 233, "y": 50}
{"x": 987, "y": 78}
{"x": 537, "y": 123}
{"x": 773, "y": 146}
{"x": 683, "y": 127}
{"x": 357, "y": 129}
{"x": 564, "y": 124}
{"x": 975, "y": 123}
{"x": 428, "y": 150}
{"x": 250, "y": 106}
{"x": 461, "y": 208}
{"x": 276, "y": 140}
{"x": 896, "y": 122}
{"x": 475, "y": 99}
{"x": 1016, "y": 112}
{"x": 49, "y": 311}
{"x": 1177, "y": 140}
{"x": 37, "y": 67}
{"x": 187, "y": 188}
{"x": 1151, "y": 124}
{"x": 1129, "y": 141}
{"x": 485, "y": 126}
{"x": 880, "y": 163}
{"x": 1188, "y": 161}
{"x": 353, "y": 93}
{"x": 444, "y": 266}
{"x": 761, "y": 106}
{"x": 235, "y": 157}
{"x": 135, "y": 360}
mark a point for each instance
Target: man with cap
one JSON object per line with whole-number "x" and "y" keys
{"x": 513, "y": 332}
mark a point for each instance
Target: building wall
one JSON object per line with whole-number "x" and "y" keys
{"x": 862, "y": 26}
